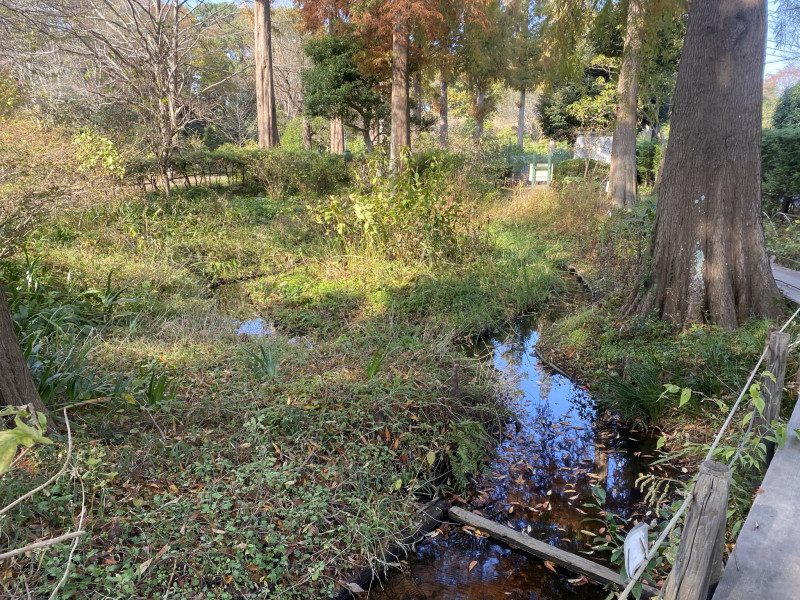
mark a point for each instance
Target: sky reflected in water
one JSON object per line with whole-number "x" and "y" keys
{"x": 539, "y": 483}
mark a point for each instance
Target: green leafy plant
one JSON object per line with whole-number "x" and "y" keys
{"x": 29, "y": 429}
{"x": 375, "y": 364}
{"x": 110, "y": 298}
{"x": 261, "y": 361}
{"x": 614, "y": 529}
{"x": 413, "y": 216}
{"x": 158, "y": 389}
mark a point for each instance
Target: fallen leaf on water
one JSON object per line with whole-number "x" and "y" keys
{"x": 579, "y": 580}
{"x": 550, "y": 566}
{"x": 472, "y": 564}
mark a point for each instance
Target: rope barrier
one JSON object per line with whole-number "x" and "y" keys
{"x": 744, "y": 390}
{"x": 657, "y": 544}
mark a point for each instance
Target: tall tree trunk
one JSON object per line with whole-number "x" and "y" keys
{"x": 265, "y": 88}
{"x": 337, "y": 136}
{"x": 521, "y": 120}
{"x": 307, "y": 134}
{"x": 709, "y": 261}
{"x": 443, "y": 107}
{"x": 480, "y": 101}
{"x": 16, "y": 385}
{"x": 400, "y": 121}
{"x": 622, "y": 176}
{"x": 366, "y": 135}
{"x": 163, "y": 175}
{"x": 417, "y": 108}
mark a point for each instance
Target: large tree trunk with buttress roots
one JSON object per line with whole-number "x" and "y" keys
{"x": 622, "y": 176}
{"x": 16, "y": 385}
{"x": 709, "y": 261}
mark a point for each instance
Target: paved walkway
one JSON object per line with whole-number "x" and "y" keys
{"x": 765, "y": 563}
{"x": 789, "y": 284}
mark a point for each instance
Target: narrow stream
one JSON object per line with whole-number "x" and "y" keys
{"x": 539, "y": 483}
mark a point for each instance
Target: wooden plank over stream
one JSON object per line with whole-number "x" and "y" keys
{"x": 567, "y": 560}
{"x": 765, "y": 563}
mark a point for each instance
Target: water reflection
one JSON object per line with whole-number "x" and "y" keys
{"x": 257, "y": 327}
{"x": 539, "y": 484}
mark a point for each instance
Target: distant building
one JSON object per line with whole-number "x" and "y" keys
{"x": 593, "y": 145}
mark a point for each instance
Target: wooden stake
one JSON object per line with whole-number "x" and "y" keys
{"x": 772, "y": 391}
{"x": 696, "y": 567}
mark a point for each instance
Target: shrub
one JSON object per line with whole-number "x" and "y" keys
{"x": 780, "y": 160}
{"x": 45, "y": 171}
{"x": 407, "y": 216}
{"x": 578, "y": 169}
{"x": 284, "y": 172}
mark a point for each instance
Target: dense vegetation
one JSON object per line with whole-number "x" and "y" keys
{"x": 355, "y": 404}
{"x": 249, "y": 359}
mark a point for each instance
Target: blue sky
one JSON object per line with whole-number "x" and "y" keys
{"x": 774, "y": 61}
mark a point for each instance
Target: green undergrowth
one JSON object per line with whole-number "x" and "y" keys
{"x": 629, "y": 362}
{"x": 217, "y": 465}
{"x": 782, "y": 233}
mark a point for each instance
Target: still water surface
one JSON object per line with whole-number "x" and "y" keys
{"x": 539, "y": 483}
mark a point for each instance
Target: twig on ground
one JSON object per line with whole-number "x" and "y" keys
{"x": 42, "y": 544}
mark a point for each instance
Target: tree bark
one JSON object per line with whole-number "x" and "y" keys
{"x": 307, "y": 134}
{"x": 337, "y": 136}
{"x": 366, "y": 135}
{"x": 709, "y": 261}
{"x": 400, "y": 116}
{"x": 480, "y": 101}
{"x": 521, "y": 120}
{"x": 622, "y": 190}
{"x": 417, "y": 108}
{"x": 443, "y": 106}
{"x": 265, "y": 87}
{"x": 16, "y": 385}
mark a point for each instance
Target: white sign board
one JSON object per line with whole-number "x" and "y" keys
{"x": 635, "y": 548}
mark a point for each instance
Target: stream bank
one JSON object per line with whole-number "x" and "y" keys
{"x": 539, "y": 484}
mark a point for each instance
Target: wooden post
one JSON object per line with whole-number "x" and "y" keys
{"x": 772, "y": 391}
{"x": 699, "y": 558}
